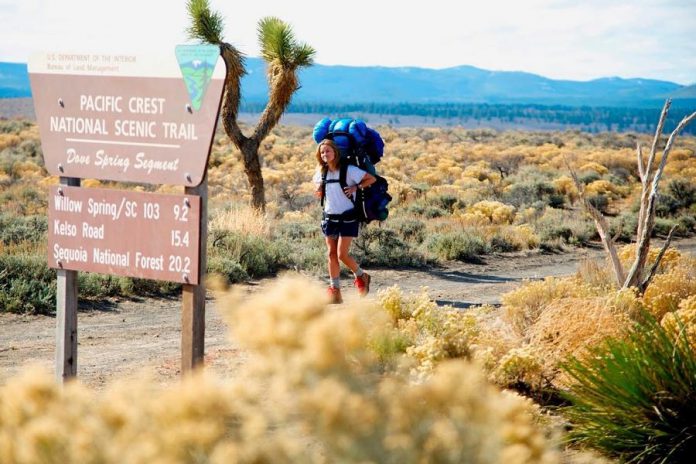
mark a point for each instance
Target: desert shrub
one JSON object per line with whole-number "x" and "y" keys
{"x": 683, "y": 191}
{"x": 666, "y": 205}
{"x": 514, "y": 238}
{"x": 446, "y": 202}
{"x": 670, "y": 287}
{"x": 564, "y": 226}
{"x": 634, "y": 397}
{"x": 490, "y": 212}
{"x": 430, "y": 334}
{"x": 601, "y": 202}
{"x": 424, "y": 209}
{"x": 17, "y": 229}
{"x": 411, "y": 230}
{"x": 256, "y": 255}
{"x": 587, "y": 177}
{"x": 528, "y": 191}
{"x": 231, "y": 270}
{"x": 683, "y": 320}
{"x": 462, "y": 246}
{"x": 27, "y": 285}
{"x": 381, "y": 246}
{"x": 523, "y": 306}
{"x": 14, "y": 126}
{"x": 570, "y": 326}
{"x": 686, "y": 224}
{"x": 624, "y": 226}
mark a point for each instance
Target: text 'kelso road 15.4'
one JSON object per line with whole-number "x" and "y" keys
{"x": 134, "y": 234}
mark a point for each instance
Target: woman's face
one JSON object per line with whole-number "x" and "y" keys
{"x": 327, "y": 153}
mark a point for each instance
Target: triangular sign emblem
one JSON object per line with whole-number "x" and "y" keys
{"x": 197, "y": 63}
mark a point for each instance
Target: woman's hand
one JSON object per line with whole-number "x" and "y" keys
{"x": 349, "y": 191}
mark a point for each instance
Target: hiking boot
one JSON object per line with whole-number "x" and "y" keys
{"x": 363, "y": 283}
{"x": 334, "y": 295}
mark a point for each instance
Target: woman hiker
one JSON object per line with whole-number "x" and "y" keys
{"x": 339, "y": 221}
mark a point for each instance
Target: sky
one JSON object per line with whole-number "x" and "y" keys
{"x": 560, "y": 39}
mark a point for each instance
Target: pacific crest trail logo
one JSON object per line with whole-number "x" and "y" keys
{"x": 197, "y": 63}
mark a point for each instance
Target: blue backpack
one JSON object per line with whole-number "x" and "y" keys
{"x": 363, "y": 147}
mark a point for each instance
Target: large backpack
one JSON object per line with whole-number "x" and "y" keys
{"x": 363, "y": 147}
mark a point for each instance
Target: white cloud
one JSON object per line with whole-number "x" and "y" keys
{"x": 555, "y": 38}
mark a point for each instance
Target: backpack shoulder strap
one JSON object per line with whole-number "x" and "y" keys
{"x": 343, "y": 175}
{"x": 324, "y": 171}
{"x": 343, "y": 178}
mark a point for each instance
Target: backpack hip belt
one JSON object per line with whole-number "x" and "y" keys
{"x": 347, "y": 216}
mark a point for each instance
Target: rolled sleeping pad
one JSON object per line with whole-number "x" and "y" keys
{"x": 321, "y": 130}
{"x": 358, "y": 129}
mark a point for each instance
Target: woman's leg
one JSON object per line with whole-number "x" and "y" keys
{"x": 343, "y": 253}
{"x": 332, "y": 249}
{"x": 362, "y": 279}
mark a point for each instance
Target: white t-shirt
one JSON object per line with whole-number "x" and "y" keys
{"x": 335, "y": 201}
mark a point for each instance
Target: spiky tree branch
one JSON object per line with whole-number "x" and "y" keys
{"x": 283, "y": 55}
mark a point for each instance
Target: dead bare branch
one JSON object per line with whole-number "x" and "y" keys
{"x": 647, "y": 216}
{"x": 602, "y": 226}
{"x": 641, "y": 168}
{"x": 656, "y": 264}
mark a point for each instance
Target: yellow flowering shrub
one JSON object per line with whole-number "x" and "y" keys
{"x": 522, "y": 307}
{"x": 668, "y": 289}
{"x": 521, "y": 364}
{"x": 606, "y": 188}
{"x": 311, "y": 391}
{"x": 565, "y": 186}
{"x": 686, "y": 315}
{"x": 671, "y": 258}
{"x": 494, "y": 212}
{"x": 596, "y": 167}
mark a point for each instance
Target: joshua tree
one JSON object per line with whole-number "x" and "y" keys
{"x": 638, "y": 276}
{"x": 283, "y": 56}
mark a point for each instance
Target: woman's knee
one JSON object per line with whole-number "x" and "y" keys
{"x": 332, "y": 254}
{"x": 344, "y": 256}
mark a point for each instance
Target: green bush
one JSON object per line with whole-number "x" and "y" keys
{"x": 17, "y": 229}
{"x": 529, "y": 186}
{"x": 422, "y": 208}
{"x": 411, "y": 230}
{"x": 27, "y": 285}
{"x": 563, "y": 227}
{"x": 635, "y": 398}
{"x": 381, "y": 246}
{"x": 257, "y": 256}
{"x": 228, "y": 268}
{"x": 462, "y": 246}
{"x": 504, "y": 244}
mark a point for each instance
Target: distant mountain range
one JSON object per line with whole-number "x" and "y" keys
{"x": 461, "y": 84}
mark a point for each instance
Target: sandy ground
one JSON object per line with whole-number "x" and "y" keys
{"x": 123, "y": 337}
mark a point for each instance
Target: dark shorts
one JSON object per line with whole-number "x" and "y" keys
{"x": 335, "y": 228}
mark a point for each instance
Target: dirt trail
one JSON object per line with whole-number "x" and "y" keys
{"x": 121, "y": 338}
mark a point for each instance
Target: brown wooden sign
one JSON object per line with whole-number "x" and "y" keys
{"x": 136, "y": 234}
{"x": 126, "y": 118}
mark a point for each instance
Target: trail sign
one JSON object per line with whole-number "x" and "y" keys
{"x": 126, "y": 117}
{"x": 126, "y": 233}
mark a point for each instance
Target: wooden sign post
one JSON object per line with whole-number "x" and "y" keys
{"x": 66, "y": 315}
{"x": 129, "y": 119}
{"x": 193, "y": 296}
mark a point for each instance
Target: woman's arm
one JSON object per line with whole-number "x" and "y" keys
{"x": 367, "y": 180}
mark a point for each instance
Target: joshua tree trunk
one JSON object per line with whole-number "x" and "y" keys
{"x": 636, "y": 276}
{"x": 252, "y": 168}
{"x": 249, "y": 146}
